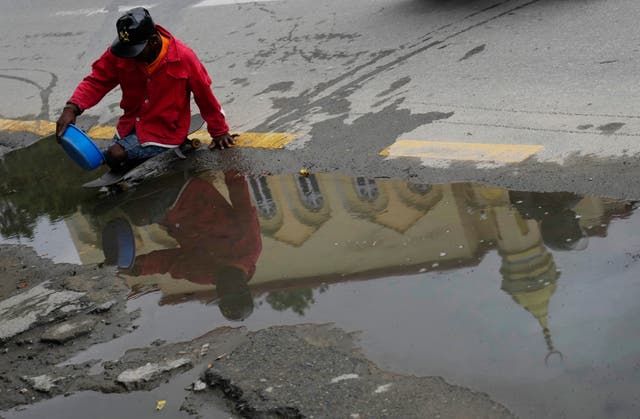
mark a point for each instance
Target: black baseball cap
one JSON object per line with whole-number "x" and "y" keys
{"x": 134, "y": 30}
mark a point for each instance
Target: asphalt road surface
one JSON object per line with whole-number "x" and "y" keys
{"x": 530, "y": 94}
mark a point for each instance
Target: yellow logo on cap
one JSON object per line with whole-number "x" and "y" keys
{"x": 124, "y": 36}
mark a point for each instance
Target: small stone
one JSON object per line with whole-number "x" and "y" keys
{"x": 199, "y": 385}
{"x": 104, "y": 307}
{"x": 42, "y": 383}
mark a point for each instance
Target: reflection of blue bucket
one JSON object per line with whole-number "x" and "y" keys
{"x": 118, "y": 243}
{"x": 81, "y": 148}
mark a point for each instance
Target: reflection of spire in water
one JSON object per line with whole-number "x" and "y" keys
{"x": 528, "y": 270}
{"x": 535, "y": 301}
{"x": 530, "y": 278}
{"x": 552, "y": 350}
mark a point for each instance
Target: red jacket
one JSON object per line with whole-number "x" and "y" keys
{"x": 156, "y": 105}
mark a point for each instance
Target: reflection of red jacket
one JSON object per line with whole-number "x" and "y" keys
{"x": 211, "y": 233}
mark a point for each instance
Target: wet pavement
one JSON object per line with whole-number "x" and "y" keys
{"x": 528, "y": 297}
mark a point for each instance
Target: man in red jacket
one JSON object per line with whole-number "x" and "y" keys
{"x": 157, "y": 74}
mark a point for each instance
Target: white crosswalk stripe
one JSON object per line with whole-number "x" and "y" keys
{"x": 209, "y": 3}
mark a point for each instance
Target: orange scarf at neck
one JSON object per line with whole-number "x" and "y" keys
{"x": 156, "y": 63}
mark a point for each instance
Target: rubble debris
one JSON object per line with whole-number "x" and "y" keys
{"x": 68, "y": 330}
{"x": 20, "y": 312}
{"x": 150, "y": 371}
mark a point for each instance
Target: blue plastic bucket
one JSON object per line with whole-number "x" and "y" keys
{"x": 81, "y": 148}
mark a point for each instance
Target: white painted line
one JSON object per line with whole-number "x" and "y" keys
{"x": 209, "y": 3}
{"x": 93, "y": 12}
{"x": 81, "y": 12}
{"x": 122, "y": 9}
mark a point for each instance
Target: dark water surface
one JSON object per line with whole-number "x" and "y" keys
{"x": 529, "y": 297}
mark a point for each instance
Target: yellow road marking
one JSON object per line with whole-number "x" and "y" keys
{"x": 498, "y": 153}
{"x": 102, "y": 132}
{"x": 268, "y": 140}
{"x": 37, "y": 127}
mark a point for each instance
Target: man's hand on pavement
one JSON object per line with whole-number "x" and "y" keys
{"x": 222, "y": 141}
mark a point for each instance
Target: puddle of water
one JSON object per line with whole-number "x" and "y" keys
{"x": 140, "y": 404}
{"x": 530, "y": 297}
{"x": 39, "y": 188}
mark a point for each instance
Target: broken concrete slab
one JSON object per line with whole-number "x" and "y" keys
{"x": 292, "y": 371}
{"x": 46, "y": 302}
{"x": 151, "y": 371}
{"x": 20, "y": 312}
{"x": 70, "y": 329}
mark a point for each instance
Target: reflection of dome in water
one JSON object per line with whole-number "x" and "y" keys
{"x": 597, "y": 213}
{"x": 580, "y": 244}
{"x": 562, "y": 231}
{"x": 538, "y": 205}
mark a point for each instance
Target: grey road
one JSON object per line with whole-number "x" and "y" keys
{"x": 535, "y": 94}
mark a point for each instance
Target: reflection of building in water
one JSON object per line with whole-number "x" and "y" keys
{"x": 329, "y": 228}
{"x": 396, "y": 205}
{"x": 291, "y": 208}
{"x": 529, "y": 273}
{"x": 270, "y": 216}
{"x": 364, "y": 197}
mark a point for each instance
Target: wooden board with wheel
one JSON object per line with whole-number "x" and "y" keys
{"x": 113, "y": 177}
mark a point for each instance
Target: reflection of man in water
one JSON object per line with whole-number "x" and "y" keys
{"x": 219, "y": 242}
